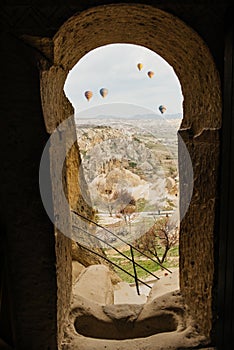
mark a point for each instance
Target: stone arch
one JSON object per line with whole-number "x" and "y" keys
{"x": 185, "y": 51}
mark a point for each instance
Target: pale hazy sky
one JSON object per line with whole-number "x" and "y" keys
{"x": 115, "y": 67}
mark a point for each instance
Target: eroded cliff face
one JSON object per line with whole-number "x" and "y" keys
{"x": 79, "y": 199}
{"x": 132, "y": 158}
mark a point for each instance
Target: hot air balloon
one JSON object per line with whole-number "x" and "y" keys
{"x": 88, "y": 95}
{"x": 103, "y": 92}
{"x": 162, "y": 109}
{"x": 150, "y": 74}
{"x": 140, "y": 66}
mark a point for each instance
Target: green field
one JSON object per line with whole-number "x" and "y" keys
{"x": 171, "y": 262}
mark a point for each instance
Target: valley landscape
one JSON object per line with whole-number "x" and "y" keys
{"x": 130, "y": 166}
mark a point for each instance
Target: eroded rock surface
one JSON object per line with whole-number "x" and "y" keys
{"x": 163, "y": 324}
{"x": 77, "y": 268}
{"x": 122, "y": 312}
{"x": 94, "y": 283}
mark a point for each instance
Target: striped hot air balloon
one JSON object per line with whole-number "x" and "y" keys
{"x": 103, "y": 92}
{"x": 88, "y": 95}
{"x": 150, "y": 74}
{"x": 162, "y": 109}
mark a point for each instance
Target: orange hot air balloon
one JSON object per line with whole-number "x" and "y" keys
{"x": 88, "y": 95}
{"x": 150, "y": 74}
{"x": 140, "y": 66}
{"x": 103, "y": 92}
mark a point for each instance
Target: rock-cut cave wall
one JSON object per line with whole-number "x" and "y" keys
{"x": 150, "y": 27}
{"x": 38, "y": 53}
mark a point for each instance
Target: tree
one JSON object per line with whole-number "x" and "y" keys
{"x": 163, "y": 234}
{"x": 126, "y": 204}
{"x": 111, "y": 196}
{"x": 120, "y": 201}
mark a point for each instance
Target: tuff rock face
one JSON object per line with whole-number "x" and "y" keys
{"x": 41, "y": 44}
{"x": 95, "y": 326}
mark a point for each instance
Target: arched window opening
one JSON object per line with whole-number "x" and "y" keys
{"x": 128, "y": 108}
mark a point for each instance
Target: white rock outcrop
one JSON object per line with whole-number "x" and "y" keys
{"x": 77, "y": 268}
{"x": 94, "y": 283}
